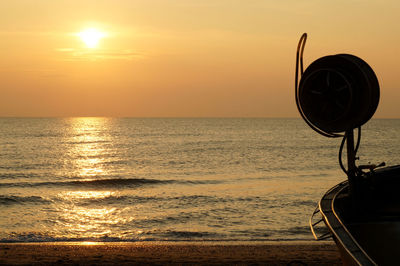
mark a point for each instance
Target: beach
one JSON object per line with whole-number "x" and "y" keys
{"x": 171, "y": 253}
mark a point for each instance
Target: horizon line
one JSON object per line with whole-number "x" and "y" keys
{"x": 175, "y": 117}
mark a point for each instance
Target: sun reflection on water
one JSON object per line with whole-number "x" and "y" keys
{"x": 82, "y": 213}
{"x": 88, "y": 145}
{"x": 74, "y": 195}
{"x": 90, "y": 243}
{"x": 80, "y": 220}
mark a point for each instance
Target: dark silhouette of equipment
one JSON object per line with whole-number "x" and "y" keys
{"x": 336, "y": 94}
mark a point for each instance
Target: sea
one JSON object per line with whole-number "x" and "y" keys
{"x": 170, "y": 179}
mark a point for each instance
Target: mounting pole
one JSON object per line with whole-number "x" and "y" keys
{"x": 351, "y": 164}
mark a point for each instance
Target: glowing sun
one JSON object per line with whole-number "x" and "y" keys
{"x": 91, "y": 37}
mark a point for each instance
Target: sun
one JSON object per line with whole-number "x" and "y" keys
{"x": 91, "y": 37}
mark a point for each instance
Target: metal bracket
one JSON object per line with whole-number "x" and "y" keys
{"x": 325, "y": 235}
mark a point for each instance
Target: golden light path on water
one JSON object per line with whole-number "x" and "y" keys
{"x": 89, "y": 145}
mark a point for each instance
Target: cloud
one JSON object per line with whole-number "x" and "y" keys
{"x": 96, "y": 54}
{"x": 65, "y": 49}
{"x": 29, "y": 33}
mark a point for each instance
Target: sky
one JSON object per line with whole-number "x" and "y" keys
{"x": 184, "y": 58}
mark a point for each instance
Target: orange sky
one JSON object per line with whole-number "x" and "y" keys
{"x": 184, "y": 58}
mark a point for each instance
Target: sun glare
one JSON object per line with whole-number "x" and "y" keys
{"x": 91, "y": 37}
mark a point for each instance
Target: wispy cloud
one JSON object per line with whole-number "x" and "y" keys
{"x": 42, "y": 72}
{"x": 96, "y": 54}
{"x": 29, "y": 33}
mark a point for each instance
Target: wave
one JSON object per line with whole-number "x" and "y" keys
{"x": 190, "y": 201}
{"x": 25, "y": 175}
{"x": 13, "y": 200}
{"x": 308, "y": 203}
{"x": 182, "y": 235}
{"x": 292, "y": 234}
{"x": 111, "y": 182}
{"x": 300, "y": 231}
{"x": 120, "y": 200}
{"x": 154, "y": 235}
{"x": 85, "y": 142}
{"x": 26, "y": 237}
{"x": 108, "y": 183}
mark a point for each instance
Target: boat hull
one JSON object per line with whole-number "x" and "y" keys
{"x": 366, "y": 227}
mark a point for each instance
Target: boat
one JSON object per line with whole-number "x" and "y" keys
{"x": 336, "y": 95}
{"x": 367, "y": 232}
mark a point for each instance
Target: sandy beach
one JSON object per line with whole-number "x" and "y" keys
{"x": 161, "y": 253}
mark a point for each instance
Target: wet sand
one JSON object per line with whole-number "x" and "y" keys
{"x": 167, "y": 253}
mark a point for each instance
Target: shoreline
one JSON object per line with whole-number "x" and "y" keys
{"x": 178, "y": 242}
{"x": 171, "y": 253}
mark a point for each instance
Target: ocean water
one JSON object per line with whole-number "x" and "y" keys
{"x": 133, "y": 179}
